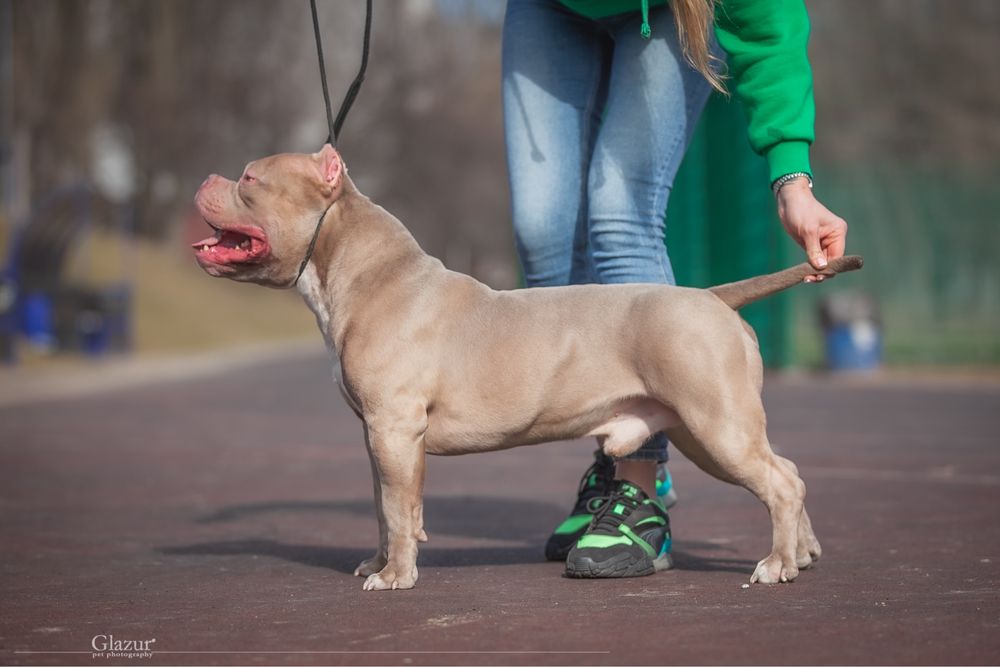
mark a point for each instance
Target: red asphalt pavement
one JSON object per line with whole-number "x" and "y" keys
{"x": 223, "y": 516}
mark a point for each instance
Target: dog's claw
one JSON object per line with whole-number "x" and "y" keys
{"x": 387, "y": 580}
{"x": 772, "y": 570}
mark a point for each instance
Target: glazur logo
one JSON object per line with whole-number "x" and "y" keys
{"x": 109, "y": 646}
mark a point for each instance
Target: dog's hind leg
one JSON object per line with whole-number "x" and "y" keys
{"x": 737, "y": 451}
{"x": 783, "y": 493}
{"x": 808, "y": 549}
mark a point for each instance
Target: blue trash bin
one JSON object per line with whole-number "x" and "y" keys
{"x": 852, "y": 332}
{"x": 37, "y": 322}
{"x": 853, "y": 347}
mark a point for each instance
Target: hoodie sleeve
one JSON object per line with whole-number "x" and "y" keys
{"x": 766, "y": 41}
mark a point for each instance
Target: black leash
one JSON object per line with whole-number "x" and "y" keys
{"x": 352, "y": 92}
{"x": 345, "y": 106}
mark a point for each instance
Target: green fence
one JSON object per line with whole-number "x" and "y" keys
{"x": 930, "y": 238}
{"x": 722, "y": 225}
{"x": 931, "y": 242}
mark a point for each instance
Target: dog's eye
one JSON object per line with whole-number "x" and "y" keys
{"x": 247, "y": 178}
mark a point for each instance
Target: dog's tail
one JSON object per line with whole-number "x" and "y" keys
{"x": 738, "y": 294}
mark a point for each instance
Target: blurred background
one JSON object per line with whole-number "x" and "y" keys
{"x": 113, "y": 112}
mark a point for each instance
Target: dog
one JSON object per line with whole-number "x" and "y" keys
{"x": 435, "y": 362}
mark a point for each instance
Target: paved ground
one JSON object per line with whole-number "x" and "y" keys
{"x": 222, "y": 516}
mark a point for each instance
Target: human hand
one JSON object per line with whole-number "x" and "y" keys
{"x": 813, "y": 226}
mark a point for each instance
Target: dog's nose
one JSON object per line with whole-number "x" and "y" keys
{"x": 208, "y": 182}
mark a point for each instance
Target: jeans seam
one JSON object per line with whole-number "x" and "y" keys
{"x": 648, "y": 453}
{"x": 588, "y": 141}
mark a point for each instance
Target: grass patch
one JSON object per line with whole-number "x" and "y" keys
{"x": 178, "y": 307}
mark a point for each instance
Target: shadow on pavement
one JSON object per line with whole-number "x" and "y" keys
{"x": 464, "y": 516}
{"x": 526, "y": 523}
{"x": 685, "y": 560}
{"x": 345, "y": 559}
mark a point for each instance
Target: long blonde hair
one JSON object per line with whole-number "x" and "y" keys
{"x": 695, "y": 19}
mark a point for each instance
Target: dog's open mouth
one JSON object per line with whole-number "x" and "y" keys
{"x": 238, "y": 244}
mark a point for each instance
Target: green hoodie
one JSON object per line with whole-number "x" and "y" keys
{"x": 766, "y": 43}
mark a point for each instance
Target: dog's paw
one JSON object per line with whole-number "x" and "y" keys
{"x": 772, "y": 570}
{"x": 387, "y": 579}
{"x": 807, "y": 553}
{"x": 807, "y": 549}
{"x": 370, "y": 566}
{"x": 815, "y": 550}
{"x": 422, "y": 535}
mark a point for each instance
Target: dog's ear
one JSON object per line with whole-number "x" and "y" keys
{"x": 330, "y": 168}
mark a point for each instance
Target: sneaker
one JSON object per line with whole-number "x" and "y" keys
{"x": 665, "y": 491}
{"x": 594, "y": 486}
{"x": 628, "y": 537}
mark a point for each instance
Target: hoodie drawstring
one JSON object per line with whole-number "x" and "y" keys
{"x": 646, "y": 30}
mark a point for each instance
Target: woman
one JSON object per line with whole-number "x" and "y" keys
{"x": 600, "y": 99}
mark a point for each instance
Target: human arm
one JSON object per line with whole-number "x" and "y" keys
{"x": 821, "y": 233}
{"x": 766, "y": 43}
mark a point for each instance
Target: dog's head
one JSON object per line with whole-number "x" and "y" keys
{"x": 264, "y": 221}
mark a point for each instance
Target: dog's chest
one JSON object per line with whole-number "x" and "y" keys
{"x": 309, "y": 287}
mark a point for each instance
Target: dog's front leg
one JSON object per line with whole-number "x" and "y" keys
{"x": 374, "y": 564}
{"x": 398, "y": 464}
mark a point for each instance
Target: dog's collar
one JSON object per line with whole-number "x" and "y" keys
{"x": 312, "y": 246}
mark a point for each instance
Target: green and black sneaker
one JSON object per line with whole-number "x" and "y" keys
{"x": 628, "y": 537}
{"x": 594, "y": 487}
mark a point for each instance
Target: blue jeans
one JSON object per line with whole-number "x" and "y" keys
{"x": 596, "y": 120}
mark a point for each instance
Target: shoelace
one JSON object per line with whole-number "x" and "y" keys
{"x": 604, "y": 469}
{"x": 607, "y": 521}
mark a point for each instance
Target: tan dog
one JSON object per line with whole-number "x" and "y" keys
{"x": 434, "y": 362}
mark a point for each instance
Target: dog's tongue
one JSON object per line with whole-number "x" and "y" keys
{"x": 210, "y": 241}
